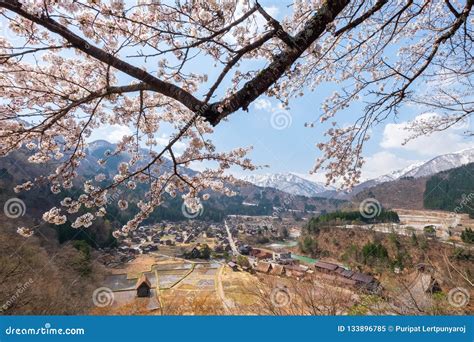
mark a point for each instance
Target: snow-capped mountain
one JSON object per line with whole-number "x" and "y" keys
{"x": 397, "y": 174}
{"x": 438, "y": 164}
{"x": 421, "y": 169}
{"x": 100, "y": 144}
{"x": 296, "y": 185}
{"x": 287, "y": 182}
{"x": 442, "y": 163}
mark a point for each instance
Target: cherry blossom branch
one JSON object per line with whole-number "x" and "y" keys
{"x": 165, "y": 88}
{"x": 312, "y": 30}
{"x": 377, "y": 7}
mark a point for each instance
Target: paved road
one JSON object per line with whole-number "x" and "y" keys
{"x": 235, "y": 251}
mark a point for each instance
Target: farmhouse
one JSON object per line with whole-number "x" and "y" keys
{"x": 343, "y": 276}
{"x": 281, "y": 256}
{"x": 192, "y": 253}
{"x": 343, "y": 272}
{"x": 278, "y": 270}
{"x": 295, "y": 271}
{"x": 263, "y": 267}
{"x": 325, "y": 267}
{"x": 143, "y": 286}
{"x": 189, "y": 238}
{"x": 365, "y": 281}
{"x": 260, "y": 254}
{"x": 245, "y": 249}
{"x": 233, "y": 265}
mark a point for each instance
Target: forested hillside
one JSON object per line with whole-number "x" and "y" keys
{"x": 451, "y": 190}
{"x": 15, "y": 169}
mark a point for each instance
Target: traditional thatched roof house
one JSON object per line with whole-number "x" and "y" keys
{"x": 325, "y": 267}
{"x": 260, "y": 254}
{"x": 365, "y": 281}
{"x": 278, "y": 270}
{"x": 189, "y": 238}
{"x": 338, "y": 279}
{"x": 233, "y": 265}
{"x": 344, "y": 273}
{"x": 295, "y": 271}
{"x": 194, "y": 253}
{"x": 263, "y": 267}
{"x": 143, "y": 286}
{"x": 343, "y": 276}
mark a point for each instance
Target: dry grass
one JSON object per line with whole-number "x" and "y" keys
{"x": 142, "y": 263}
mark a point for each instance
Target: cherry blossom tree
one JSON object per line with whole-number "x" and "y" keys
{"x": 69, "y": 67}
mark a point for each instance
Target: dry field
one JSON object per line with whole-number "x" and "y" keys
{"x": 442, "y": 220}
{"x": 178, "y": 286}
{"x": 448, "y": 226}
{"x": 138, "y": 265}
{"x": 236, "y": 287}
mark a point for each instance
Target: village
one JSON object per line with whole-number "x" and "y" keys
{"x": 171, "y": 262}
{"x": 172, "y": 265}
{"x": 180, "y": 238}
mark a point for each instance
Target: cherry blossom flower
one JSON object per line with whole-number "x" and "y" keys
{"x": 25, "y": 232}
{"x": 54, "y": 216}
{"x": 123, "y": 205}
{"x": 61, "y": 79}
{"x": 85, "y": 221}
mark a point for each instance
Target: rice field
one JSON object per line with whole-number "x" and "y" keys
{"x": 179, "y": 285}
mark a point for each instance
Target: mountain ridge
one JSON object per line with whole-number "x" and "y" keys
{"x": 424, "y": 169}
{"x": 289, "y": 183}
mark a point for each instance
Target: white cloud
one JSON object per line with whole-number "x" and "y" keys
{"x": 389, "y": 158}
{"x": 437, "y": 143}
{"x": 164, "y": 140}
{"x": 263, "y": 104}
{"x": 268, "y": 106}
{"x": 257, "y": 24}
{"x": 272, "y": 10}
{"x": 382, "y": 163}
{"x": 111, "y": 133}
{"x": 260, "y": 21}
{"x": 115, "y": 133}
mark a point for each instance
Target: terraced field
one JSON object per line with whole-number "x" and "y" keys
{"x": 177, "y": 284}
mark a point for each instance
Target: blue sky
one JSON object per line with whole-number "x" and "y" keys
{"x": 292, "y": 148}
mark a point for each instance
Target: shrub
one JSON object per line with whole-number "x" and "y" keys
{"x": 373, "y": 253}
{"x": 467, "y": 235}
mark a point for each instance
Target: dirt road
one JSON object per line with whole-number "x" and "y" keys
{"x": 227, "y": 303}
